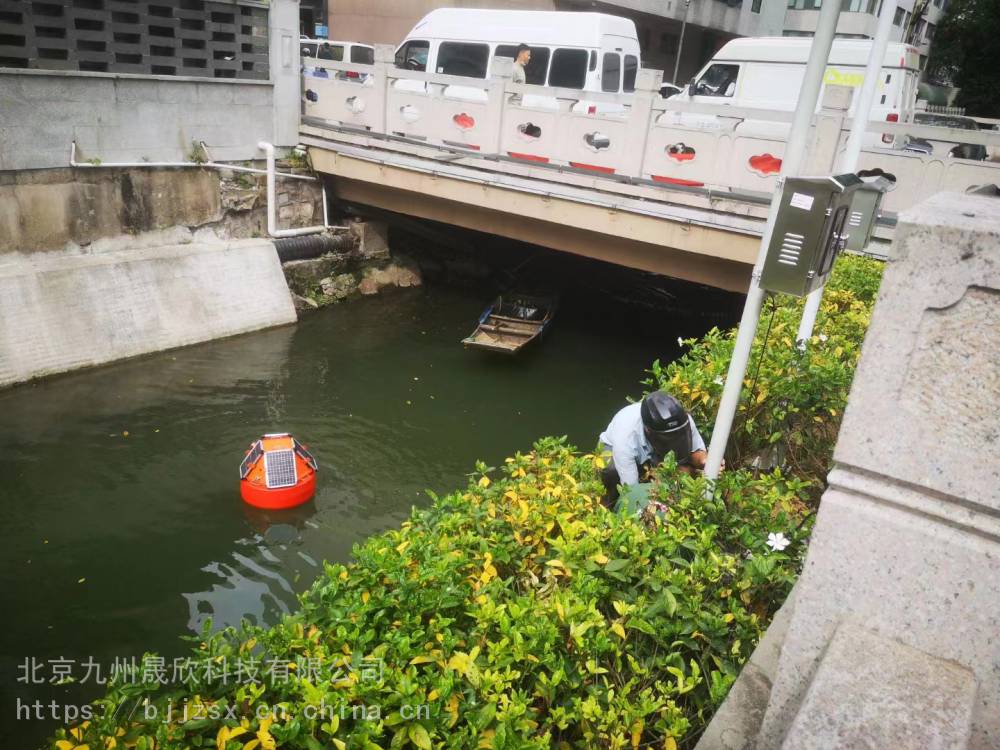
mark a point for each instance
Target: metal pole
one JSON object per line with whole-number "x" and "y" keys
{"x": 798, "y": 137}
{"x": 852, "y": 151}
{"x": 680, "y": 44}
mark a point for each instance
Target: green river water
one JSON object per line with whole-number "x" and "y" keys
{"x": 123, "y": 523}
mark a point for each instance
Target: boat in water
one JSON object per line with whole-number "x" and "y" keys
{"x": 511, "y": 323}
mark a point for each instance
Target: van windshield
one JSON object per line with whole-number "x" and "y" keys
{"x": 463, "y": 59}
{"x": 537, "y": 66}
{"x": 413, "y": 55}
{"x": 719, "y": 80}
{"x": 569, "y": 68}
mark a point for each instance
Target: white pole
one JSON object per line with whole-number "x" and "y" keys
{"x": 852, "y": 151}
{"x": 680, "y": 44}
{"x": 798, "y": 137}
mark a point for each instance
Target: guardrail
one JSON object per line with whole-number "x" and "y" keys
{"x": 637, "y": 137}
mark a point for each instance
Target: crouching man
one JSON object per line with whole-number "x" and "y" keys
{"x": 640, "y": 436}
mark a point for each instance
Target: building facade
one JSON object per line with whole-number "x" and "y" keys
{"x": 914, "y": 21}
{"x": 709, "y": 23}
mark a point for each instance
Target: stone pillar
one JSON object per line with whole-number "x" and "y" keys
{"x": 283, "y": 29}
{"x": 894, "y": 638}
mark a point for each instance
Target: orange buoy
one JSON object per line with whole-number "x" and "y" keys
{"x": 278, "y": 472}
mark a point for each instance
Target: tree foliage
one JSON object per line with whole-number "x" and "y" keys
{"x": 966, "y": 53}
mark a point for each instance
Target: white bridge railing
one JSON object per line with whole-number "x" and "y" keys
{"x": 639, "y": 138}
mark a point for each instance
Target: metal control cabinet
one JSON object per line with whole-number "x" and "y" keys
{"x": 808, "y": 233}
{"x": 862, "y": 216}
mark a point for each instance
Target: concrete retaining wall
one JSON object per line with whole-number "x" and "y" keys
{"x": 62, "y": 311}
{"x": 47, "y": 209}
{"x": 118, "y": 118}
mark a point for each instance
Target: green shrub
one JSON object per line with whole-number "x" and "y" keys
{"x": 520, "y": 612}
{"x": 792, "y": 402}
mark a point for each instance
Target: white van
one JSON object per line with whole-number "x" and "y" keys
{"x": 334, "y": 51}
{"x": 585, "y": 51}
{"x": 767, "y": 73}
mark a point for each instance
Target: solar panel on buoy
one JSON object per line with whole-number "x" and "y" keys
{"x": 279, "y": 468}
{"x": 278, "y": 472}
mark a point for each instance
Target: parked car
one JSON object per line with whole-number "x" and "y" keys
{"x": 933, "y": 146}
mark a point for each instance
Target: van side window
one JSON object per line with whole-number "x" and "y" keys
{"x": 593, "y": 61}
{"x": 331, "y": 52}
{"x": 413, "y": 55}
{"x": 611, "y": 72}
{"x": 538, "y": 66}
{"x": 719, "y": 80}
{"x": 631, "y": 69}
{"x": 569, "y": 68}
{"x": 362, "y": 55}
{"x": 308, "y": 50}
{"x": 462, "y": 59}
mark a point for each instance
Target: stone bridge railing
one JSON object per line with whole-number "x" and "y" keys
{"x": 638, "y": 137}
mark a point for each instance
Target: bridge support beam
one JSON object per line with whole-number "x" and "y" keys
{"x": 702, "y": 254}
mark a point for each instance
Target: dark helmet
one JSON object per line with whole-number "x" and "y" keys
{"x": 667, "y": 425}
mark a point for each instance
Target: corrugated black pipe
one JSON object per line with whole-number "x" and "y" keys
{"x": 312, "y": 245}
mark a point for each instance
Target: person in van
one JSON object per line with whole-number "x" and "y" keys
{"x": 521, "y": 59}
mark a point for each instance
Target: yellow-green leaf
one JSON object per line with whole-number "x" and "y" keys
{"x": 617, "y": 628}
{"x": 419, "y": 737}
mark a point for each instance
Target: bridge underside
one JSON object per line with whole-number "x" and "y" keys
{"x": 637, "y": 236}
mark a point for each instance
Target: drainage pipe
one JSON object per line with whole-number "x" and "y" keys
{"x": 312, "y": 246}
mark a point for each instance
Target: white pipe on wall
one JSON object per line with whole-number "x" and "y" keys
{"x": 272, "y": 201}
{"x": 271, "y": 172}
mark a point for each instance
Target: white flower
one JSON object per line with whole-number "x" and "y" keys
{"x": 823, "y": 337}
{"x": 719, "y": 381}
{"x": 777, "y": 542}
{"x": 680, "y": 341}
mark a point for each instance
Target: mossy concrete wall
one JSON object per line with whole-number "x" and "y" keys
{"x": 48, "y": 209}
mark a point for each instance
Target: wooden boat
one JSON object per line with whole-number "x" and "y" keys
{"x": 511, "y": 323}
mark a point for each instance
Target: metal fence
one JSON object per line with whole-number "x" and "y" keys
{"x": 202, "y": 38}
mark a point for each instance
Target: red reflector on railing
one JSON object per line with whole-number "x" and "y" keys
{"x": 528, "y": 157}
{"x": 677, "y": 181}
{"x": 592, "y": 167}
{"x": 891, "y": 117}
{"x": 464, "y": 121}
